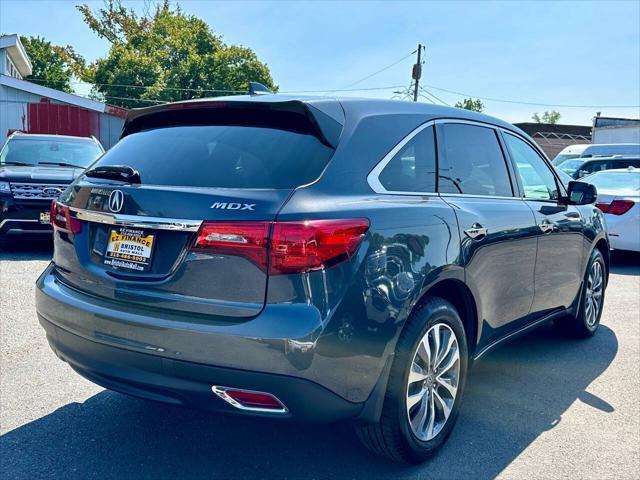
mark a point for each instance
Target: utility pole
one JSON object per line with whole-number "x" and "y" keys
{"x": 416, "y": 74}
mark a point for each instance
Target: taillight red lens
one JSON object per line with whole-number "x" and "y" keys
{"x": 246, "y": 239}
{"x": 298, "y": 247}
{"x": 620, "y": 207}
{"x": 292, "y": 247}
{"x": 60, "y": 217}
{"x": 255, "y": 399}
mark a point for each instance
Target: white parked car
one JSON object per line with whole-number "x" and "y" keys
{"x": 588, "y": 150}
{"x": 619, "y": 199}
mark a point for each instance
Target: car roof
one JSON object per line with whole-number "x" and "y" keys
{"x": 609, "y": 158}
{"x": 353, "y": 109}
{"x": 48, "y": 136}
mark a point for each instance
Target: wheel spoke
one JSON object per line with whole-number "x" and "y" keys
{"x": 413, "y": 399}
{"x": 436, "y": 342}
{"x": 445, "y": 351}
{"x": 448, "y": 386}
{"x": 452, "y": 361}
{"x": 446, "y": 409}
{"x": 417, "y": 373}
{"x": 424, "y": 351}
{"x": 421, "y": 415}
{"x": 432, "y": 418}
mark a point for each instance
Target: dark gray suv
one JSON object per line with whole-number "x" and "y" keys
{"x": 316, "y": 259}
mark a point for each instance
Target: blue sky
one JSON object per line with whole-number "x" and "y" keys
{"x": 561, "y": 53}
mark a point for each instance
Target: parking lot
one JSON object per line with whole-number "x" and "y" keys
{"x": 541, "y": 407}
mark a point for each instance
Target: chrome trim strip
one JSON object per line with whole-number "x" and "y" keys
{"x": 137, "y": 221}
{"x": 7, "y": 220}
{"x": 372, "y": 178}
{"x": 517, "y": 333}
{"x": 222, "y": 393}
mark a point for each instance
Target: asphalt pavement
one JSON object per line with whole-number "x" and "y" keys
{"x": 540, "y": 407}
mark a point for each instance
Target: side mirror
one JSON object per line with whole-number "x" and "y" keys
{"x": 581, "y": 193}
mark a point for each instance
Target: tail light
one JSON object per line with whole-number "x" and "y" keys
{"x": 285, "y": 247}
{"x": 617, "y": 207}
{"x": 60, "y": 217}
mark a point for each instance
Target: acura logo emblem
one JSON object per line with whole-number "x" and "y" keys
{"x": 116, "y": 200}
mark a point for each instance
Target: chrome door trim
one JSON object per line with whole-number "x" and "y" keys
{"x": 372, "y": 178}
{"x": 137, "y": 221}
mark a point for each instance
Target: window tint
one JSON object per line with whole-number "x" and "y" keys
{"x": 33, "y": 151}
{"x": 537, "y": 179}
{"x": 412, "y": 169}
{"x": 473, "y": 163}
{"x": 221, "y": 156}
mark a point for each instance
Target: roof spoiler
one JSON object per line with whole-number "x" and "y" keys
{"x": 324, "y": 125}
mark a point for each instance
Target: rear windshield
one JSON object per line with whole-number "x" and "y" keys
{"x": 221, "y": 156}
{"x": 39, "y": 151}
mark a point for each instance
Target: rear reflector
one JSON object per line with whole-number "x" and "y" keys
{"x": 250, "y": 400}
{"x": 60, "y": 217}
{"x": 617, "y": 207}
{"x": 286, "y": 247}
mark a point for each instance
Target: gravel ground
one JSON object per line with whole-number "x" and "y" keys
{"x": 540, "y": 407}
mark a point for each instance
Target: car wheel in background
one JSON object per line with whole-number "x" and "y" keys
{"x": 425, "y": 386}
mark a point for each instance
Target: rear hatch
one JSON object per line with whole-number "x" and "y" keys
{"x": 182, "y": 178}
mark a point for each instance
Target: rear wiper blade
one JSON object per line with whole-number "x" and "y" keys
{"x": 61, "y": 164}
{"x": 123, "y": 173}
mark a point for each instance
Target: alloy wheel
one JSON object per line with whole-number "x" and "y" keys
{"x": 593, "y": 296}
{"x": 433, "y": 381}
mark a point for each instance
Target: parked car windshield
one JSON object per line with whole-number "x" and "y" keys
{"x": 571, "y": 166}
{"x": 221, "y": 156}
{"x": 560, "y": 158}
{"x": 619, "y": 181}
{"x": 47, "y": 151}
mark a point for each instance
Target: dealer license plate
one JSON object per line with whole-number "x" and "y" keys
{"x": 129, "y": 249}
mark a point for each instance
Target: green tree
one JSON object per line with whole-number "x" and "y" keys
{"x": 166, "y": 55}
{"x": 551, "y": 117}
{"x": 53, "y": 66}
{"x": 475, "y": 105}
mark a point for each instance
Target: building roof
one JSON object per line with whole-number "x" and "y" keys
{"x": 59, "y": 95}
{"x": 17, "y": 54}
{"x": 534, "y": 127}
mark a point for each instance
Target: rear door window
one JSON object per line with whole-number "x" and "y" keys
{"x": 473, "y": 162}
{"x": 413, "y": 168}
{"x": 227, "y": 156}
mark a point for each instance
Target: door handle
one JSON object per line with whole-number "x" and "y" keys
{"x": 476, "y": 232}
{"x": 546, "y": 226}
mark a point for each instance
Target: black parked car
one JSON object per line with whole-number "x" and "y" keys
{"x": 316, "y": 259}
{"x": 34, "y": 170}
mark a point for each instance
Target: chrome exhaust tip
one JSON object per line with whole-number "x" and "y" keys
{"x": 250, "y": 400}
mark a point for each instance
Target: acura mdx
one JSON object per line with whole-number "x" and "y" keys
{"x": 316, "y": 259}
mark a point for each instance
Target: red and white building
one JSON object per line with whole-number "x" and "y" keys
{"x": 33, "y": 108}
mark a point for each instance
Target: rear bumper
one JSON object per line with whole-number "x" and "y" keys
{"x": 19, "y": 219}
{"x": 161, "y": 357}
{"x": 186, "y": 383}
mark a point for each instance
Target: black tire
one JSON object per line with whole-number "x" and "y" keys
{"x": 392, "y": 436}
{"x": 581, "y": 324}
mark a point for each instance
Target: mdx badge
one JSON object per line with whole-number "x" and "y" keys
{"x": 233, "y": 206}
{"x": 116, "y": 201}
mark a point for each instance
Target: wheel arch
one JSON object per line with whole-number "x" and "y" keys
{"x": 460, "y": 296}
{"x": 603, "y": 246}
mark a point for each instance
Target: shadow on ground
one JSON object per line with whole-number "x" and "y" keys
{"x": 513, "y": 396}
{"x": 15, "y": 249}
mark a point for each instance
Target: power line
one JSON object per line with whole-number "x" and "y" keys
{"x": 377, "y": 72}
{"x": 503, "y": 100}
{"x": 424, "y": 90}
